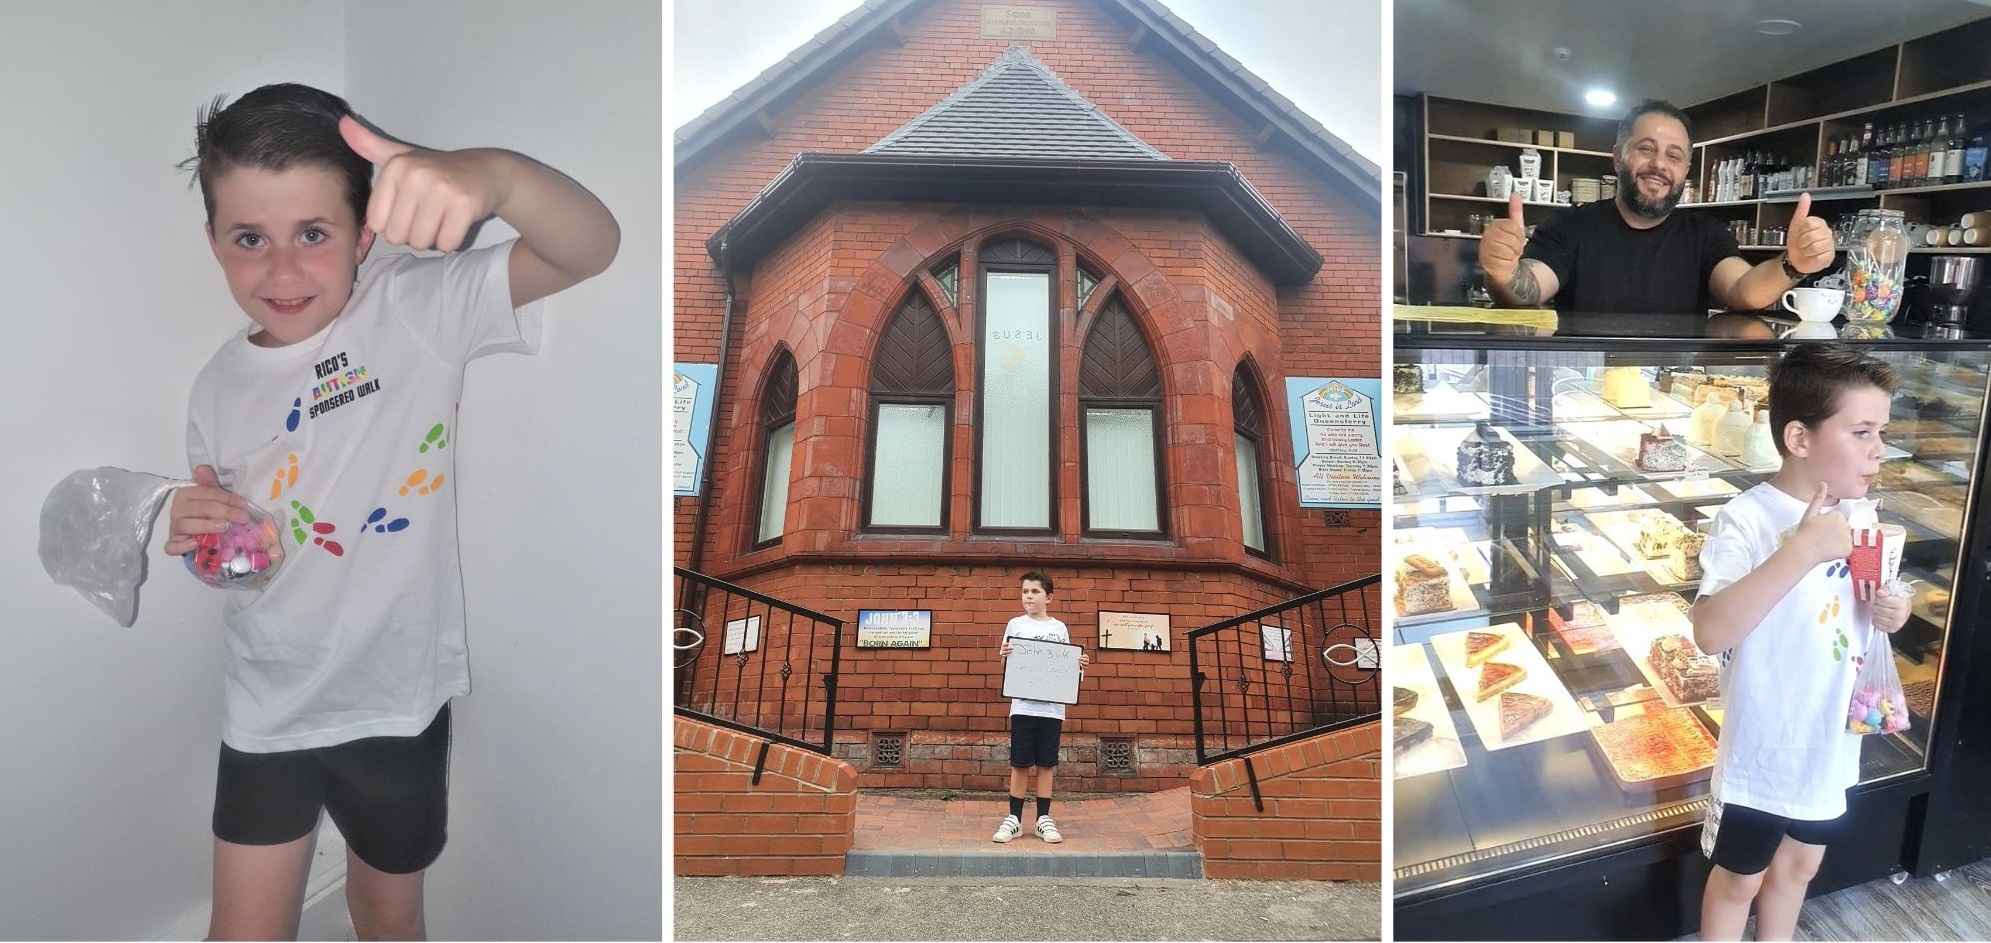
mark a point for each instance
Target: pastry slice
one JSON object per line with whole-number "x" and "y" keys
{"x": 1517, "y": 711}
{"x": 1405, "y": 698}
{"x": 1409, "y": 732}
{"x": 1481, "y": 646}
{"x": 1496, "y": 677}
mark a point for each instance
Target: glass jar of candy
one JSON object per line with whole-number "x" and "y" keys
{"x": 1876, "y": 257}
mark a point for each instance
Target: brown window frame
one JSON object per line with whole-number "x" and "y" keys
{"x": 781, "y": 370}
{"x": 880, "y": 398}
{"x": 1246, "y": 388}
{"x": 1153, "y": 405}
{"x": 984, "y": 268}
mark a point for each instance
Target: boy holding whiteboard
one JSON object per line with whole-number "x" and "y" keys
{"x": 1034, "y": 726}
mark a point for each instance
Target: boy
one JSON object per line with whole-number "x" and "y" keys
{"x": 337, "y": 405}
{"x": 1034, "y": 726}
{"x": 1777, "y": 603}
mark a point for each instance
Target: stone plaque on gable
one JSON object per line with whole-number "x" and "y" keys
{"x": 1006, "y": 22}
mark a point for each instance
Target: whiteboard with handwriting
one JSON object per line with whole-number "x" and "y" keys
{"x": 1042, "y": 671}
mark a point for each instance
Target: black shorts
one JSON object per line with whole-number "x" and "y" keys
{"x": 1742, "y": 840}
{"x": 1033, "y": 741}
{"x": 388, "y": 795}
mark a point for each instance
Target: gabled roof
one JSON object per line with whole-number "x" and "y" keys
{"x": 1017, "y": 107}
{"x": 1281, "y": 123}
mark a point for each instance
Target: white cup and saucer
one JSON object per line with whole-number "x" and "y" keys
{"x": 1814, "y": 304}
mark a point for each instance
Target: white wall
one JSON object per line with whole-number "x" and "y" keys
{"x": 556, "y": 820}
{"x": 112, "y": 302}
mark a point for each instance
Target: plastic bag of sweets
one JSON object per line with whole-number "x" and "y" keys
{"x": 1878, "y": 704}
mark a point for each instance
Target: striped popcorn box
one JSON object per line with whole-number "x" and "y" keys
{"x": 1866, "y": 561}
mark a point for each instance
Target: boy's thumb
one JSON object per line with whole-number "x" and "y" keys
{"x": 364, "y": 142}
{"x": 204, "y": 476}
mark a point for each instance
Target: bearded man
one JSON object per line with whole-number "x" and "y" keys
{"x": 1634, "y": 254}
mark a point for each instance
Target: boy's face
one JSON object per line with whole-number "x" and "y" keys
{"x": 289, "y": 246}
{"x": 1845, "y": 450}
{"x": 1035, "y": 599}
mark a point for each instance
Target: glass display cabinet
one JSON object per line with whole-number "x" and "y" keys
{"x": 1555, "y": 725}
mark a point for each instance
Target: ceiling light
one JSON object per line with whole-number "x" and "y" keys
{"x": 1600, "y": 97}
{"x": 1778, "y": 27}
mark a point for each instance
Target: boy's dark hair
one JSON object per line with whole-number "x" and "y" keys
{"x": 1041, "y": 579}
{"x": 1651, "y": 106}
{"x": 1807, "y": 384}
{"x": 274, "y": 128}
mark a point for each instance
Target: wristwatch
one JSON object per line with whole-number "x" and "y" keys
{"x": 1790, "y": 271}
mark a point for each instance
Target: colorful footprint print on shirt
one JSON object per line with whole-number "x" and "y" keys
{"x": 1828, "y": 614}
{"x": 438, "y": 439}
{"x": 378, "y": 521}
{"x": 421, "y": 482}
{"x": 286, "y": 477}
{"x": 320, "y": 531}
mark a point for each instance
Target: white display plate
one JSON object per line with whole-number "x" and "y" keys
{"x": 1622, "y": 528}
{"x": 1430, "y": 462}
{"x": 1411, "y": 668}
{"x": 1466, "y": 556}
{"x": 1635, "y": 635}
{"x": 1463, "y": 602}
{"x": 1440, "y": 403}
{"x": 1564, "y": 716}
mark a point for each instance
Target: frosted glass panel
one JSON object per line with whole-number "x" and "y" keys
{"x": 774, "y": 488}
{"x": 1016, "y": 401}
{"x": 908, "y": 472}
{"x": 1120, "y": 469}
{"x": 1247, "y": 493}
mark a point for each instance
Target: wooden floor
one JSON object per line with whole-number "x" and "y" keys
{"x": 1919, "y": 909}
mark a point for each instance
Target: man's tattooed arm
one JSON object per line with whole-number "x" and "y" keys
{"x": 1526, "y": 291}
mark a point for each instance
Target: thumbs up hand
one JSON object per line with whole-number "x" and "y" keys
{"x": 1809, "y": 243}
{"x": 424, "y": 199}
{"x": 1500, "y": 244}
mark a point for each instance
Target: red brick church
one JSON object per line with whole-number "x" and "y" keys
{"x": 995, "y": 287}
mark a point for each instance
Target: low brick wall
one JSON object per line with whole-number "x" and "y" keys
{"x": 1322, "y": 819}
{"x": 800, "y": 818}
{"x": 979, "y": 762}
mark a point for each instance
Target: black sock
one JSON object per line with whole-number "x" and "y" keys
{"x": 1043, "y": 807}
{"x": 1016, "y": 807}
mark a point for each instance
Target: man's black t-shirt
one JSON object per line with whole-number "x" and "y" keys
{"x": 1606, "y": 266}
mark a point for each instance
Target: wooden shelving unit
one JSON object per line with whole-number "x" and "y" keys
{"x": 1939, "y": 74}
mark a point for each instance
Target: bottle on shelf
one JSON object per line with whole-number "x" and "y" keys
{"x": 1897, "y": 156}
{"x": 1954, "y": 148}
{"x": 1828, "y": 172}
{"x": 1939, "y": 152}
{"x": 1918, "y": 155}
{"x": 1974, "y": 159}
{"x": 1863, "y": 170}
{"x": 1879, "y": 169}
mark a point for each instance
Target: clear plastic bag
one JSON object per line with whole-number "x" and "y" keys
{"x": 1878, "y": 705}
{"x": 94, "y": 528}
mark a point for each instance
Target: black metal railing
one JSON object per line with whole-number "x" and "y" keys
{"x": 754, "y": 663}
{"x": 1303, "y": 667}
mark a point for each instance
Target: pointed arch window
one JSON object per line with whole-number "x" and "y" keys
{"x": 1016, "y": 412}
{"x": 1248, "y": 438}
{"x": 912, "y": 411}
{"x": 1120, "y": 452}
{"x": 777, "y": 423}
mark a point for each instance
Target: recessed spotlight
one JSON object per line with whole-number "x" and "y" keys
{"x": 1778, "y": 27}
{"x": 1600, "y": 97}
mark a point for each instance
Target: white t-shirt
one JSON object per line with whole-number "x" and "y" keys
{"x": 1784, "y": 747}
{"x": 1046, "y": 629}
{"x": 349, "y": 438}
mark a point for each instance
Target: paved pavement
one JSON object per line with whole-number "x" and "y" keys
{"x": 862, "y": 908}
{"x": 1129, "y": 822}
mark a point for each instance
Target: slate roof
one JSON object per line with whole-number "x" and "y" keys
{"x": 753, "y": 104}
{"x": 1017, "y": 107}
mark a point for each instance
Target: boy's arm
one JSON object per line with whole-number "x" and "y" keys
{"x": 1728, "y": 616}
{"x": 427, "y": 199}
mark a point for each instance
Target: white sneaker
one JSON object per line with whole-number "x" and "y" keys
{"x": 1009, "y": 829}
{"x": 1048, "y": 830}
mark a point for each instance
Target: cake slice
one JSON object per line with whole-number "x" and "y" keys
{"x": 1409, "y": 732}
{"x": 1658, "y": 534}
{"x": 1661, "y": 452}
{"x": 1422, "y": 585}
{"x": 1485, "y": 459}
{"x": 1496, "y": 677}
{"x": 1405, "y": 699}
{"x": 1481, "y": 646}
{"x": 1686, "y": 554}
{"x": 1517, "y": 711}
{"x": 1407, "y": 378}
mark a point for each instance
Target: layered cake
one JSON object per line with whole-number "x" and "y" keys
{"x": 1689, "y": 673}
{"x": 1625, "y": 388}
{"x": 1422, "y": 585}
{"x": 1686, "y": 555}
{"x": 1407, "y": 378}
{"x": 1485, "y": 459}
{"x": 1661, "y": 452}
{"x": 1658, "y": 534}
